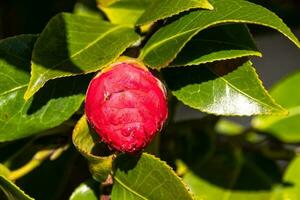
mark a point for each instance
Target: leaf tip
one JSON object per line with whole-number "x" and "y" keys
{"x": 209, "y": 6}
{"x": 28, "y": 94}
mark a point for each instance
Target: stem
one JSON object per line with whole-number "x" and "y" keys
{"x": 36, "y": 161}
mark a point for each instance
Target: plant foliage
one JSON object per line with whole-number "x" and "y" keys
{"x": 202, "y": 51}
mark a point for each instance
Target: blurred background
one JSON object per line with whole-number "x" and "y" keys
{"x": 280, "y": 56}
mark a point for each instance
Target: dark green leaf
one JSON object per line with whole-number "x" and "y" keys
{"x": 72, "y": 44}
{"x": 210, "y": 90}
{"x": 165, "y": 44}
{"x": 287, "y": 128}
{"x": 219, "y": 43}
{"x": 88, "y": 143}
{"x": 50, "y": 107}
{"x": 9, "y": 191}
{"x": 160, "y": 9}
{"x": 86, "y": 191}
{"x": 146, "y": 177}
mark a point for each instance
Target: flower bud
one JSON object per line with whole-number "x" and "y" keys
{"x": 126, "y": 105}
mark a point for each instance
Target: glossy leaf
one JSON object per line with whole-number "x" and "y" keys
{"x": 165, "y": 44}
{"x": 146, "y": 177}
{"x": 50, "y": 107}
{"x": 72, "y": 44}
{"x": 230, "y": 174}
{"x": 10, "y": 191}
{"x": 219, "y": 43}
{"x": 123, "y": 12}
{"x": 86, "y": 191}
{"x": 88, "y": 143}
{"x": 207, "y": 89}
{"x": 287, "y": 128}
{"x": 160, "y": 9}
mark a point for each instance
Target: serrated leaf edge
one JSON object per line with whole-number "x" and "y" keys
{"x": 167, "y": 167}
{"x": 140, "y": 22}
{"x": 31, "y": 90}
{"x": 282, "y": 110}
{"x": 197, "y": 30}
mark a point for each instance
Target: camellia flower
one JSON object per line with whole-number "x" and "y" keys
{"x": 126, "y": 105}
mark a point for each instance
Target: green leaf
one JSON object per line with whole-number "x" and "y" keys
{"x": 207, "y": 89}
{"x": 50, "y": 107}
{"x": 160, "y": 9}
{"x": 227, "y": 127}
{"x": 72, "y": 44}
{"x": 87, "y": 9}
{"x": 146, "y": 177}
{"x": 286, "y": 128}
{"x": 165, "y": 44}
{"x": 86, "y": 191}
{"x": 88, "y": 143}
{"x": 123, "y": 11}
{"x": 292, "y": 180}
{"x": 232, "y": 175}
{"x": 219, "y": 43}
{"x": 10, "y": 191}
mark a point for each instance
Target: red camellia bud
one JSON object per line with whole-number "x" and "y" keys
{"x": 126, "y": 105}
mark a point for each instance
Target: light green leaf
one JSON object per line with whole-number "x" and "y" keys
{"x": 88, "y": 143}
{"x": 160, "y": 9}
{"x": 72, "y": 44}
{"x": 213, "y": 90}
{"x": 123, "y": 11}
{"x": 232, "y": 175}
{"x": 292, "y": 180}
{"x": 9, "y": 191}
{"x": 86, "y": 191}
{"x": 87, "y": 9}
{"x": 227, "y": 127}
{"x": 219, "y": 43}
{"x": 165, "y": 44}
{"x": 286, "y": 128}
{"x": 146, "y": 177}
{"x": 50, "y": 107}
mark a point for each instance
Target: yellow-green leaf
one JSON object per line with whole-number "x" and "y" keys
{"x": 160, "y": 9}
{"x": 89, "y": 145}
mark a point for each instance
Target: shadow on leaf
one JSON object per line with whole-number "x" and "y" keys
{"x": 126, "y": 162}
